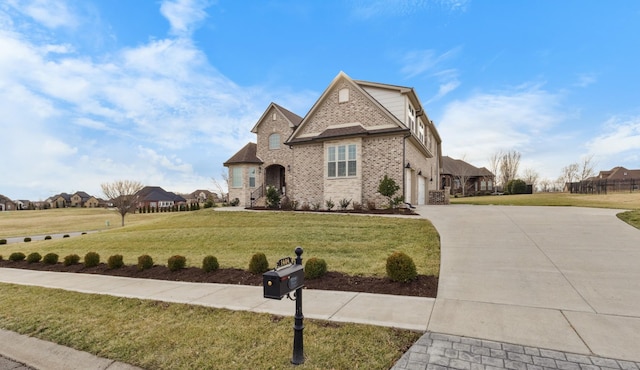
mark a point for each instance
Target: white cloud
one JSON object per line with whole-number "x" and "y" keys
{"x": 81, "y": 120}
{"x": 184, "y": 15}
{"x": 486, "y": 123}
{"x": 172, "y": 164}
{"x": 619, "y": 142}
{"x": 428, "y": 62}
{"x": 50, "y": 13}
{"x": 386, "y": 8}
{"x": 586, "y": 79}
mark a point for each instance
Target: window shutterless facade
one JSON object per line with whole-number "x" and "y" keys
{"x": 274, "y": 141}
{"x": 236, "y": 177}
{"x": 252, "y": 177}
{"x": 341, "y": 161}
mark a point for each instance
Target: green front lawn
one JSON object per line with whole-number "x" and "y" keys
{"x": 350, "y": 244}
{"x": 157, "y": 335}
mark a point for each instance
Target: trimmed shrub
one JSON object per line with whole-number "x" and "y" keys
{"x": 115, "y": 262}
{"x": 315, "y": 268}
{"x": 48, "y": 237}
{"x": 400, "y": 267}
{"x": 176, "y": 263}
{"x": 34, "y": 257}
{"x": 50, "y": 258}
{"x": 71, "y": 259}
{"x": 273, "y": 197}
{"x": 258, "y": 264}
{"x": 27, "y": 239}
{"x": 65, "y": 235}
{"x": 17, "y": 256}
{"x": 517, "y": 186}
{"x": 210, "y": 264}
{"x": 3, "y": 241}
{"x": 91, "y": 259}
{"x": 145, "y": 262}
{"x": 1, "y": 259}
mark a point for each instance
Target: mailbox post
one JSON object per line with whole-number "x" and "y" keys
{"x": 284, "y": 279}
{"x": 298, "y": 324}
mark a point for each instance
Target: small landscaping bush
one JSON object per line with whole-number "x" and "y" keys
{"x": 71, "y": 259}
{"x": 315, "y": 206}
{"x": 400, "y": 267}
{"x": 357, "y": 206}
{"x": 27, "y": 239}
{"x": 258, "y": 264}
{"x": 315, "y": 268}
{"x": 34, "y": 257}
{"x": 145, "y": 262}
{"x": 50, "y": 258}
{"x": 176, "y": 263}
{"x": 1, "y": 258}
{"x": 344, "y": 203}
{"x": 65, "y": 235}
{"x": 234, "y": 202}
{"x": 210, "y": 264}
{"x": 371, "y": 205}
{"x": 91, "y": 259}
{"x": 115, "y": 262}
{"x": 3, "y": 241}
{"x": 330, "y": 204}
{"x": 48, "y": 237}
{"x": 17, "y": 256}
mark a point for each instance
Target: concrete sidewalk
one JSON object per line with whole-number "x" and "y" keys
{"x": 563, "y": 278}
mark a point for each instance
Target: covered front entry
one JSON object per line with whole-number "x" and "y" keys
{"x": 275, "y": 176}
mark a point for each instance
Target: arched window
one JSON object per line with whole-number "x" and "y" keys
{"x": 274, "y": 141}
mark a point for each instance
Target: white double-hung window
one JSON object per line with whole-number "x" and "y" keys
{"x": 341, "y": 160}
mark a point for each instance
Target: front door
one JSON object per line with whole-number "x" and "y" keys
{"x": 276, "y": 178}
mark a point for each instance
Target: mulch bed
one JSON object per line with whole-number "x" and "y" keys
{"x": 423, "y": 286}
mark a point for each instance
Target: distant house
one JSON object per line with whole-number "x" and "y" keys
{"x": 355, "y": 133}
{"x": 615, "y": 180}
{"x": 201, "y": 196}
{"x": 23, "y": 204}
{"x": 158, "y": 198}
{"x": 79, "y": 198}
{"x": 92, "y": 202}
{"x": 465, "y": 179}
{"x": 6, "y": 204}
{"x": 61, "y": 200}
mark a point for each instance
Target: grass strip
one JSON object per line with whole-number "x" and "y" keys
{"x": 159, "y": 335}
{"x": 630, "y": 201}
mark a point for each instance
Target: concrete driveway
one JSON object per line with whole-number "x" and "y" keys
{"x": 565, "y": 278}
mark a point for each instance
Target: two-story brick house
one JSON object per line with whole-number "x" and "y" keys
{"x": 354, "y": 134}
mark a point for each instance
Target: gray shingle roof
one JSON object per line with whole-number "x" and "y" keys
{"x": 245, "y": 155}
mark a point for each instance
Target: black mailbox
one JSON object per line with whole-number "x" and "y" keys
{"x": 281, "y": 281}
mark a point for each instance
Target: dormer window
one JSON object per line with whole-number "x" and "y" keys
{"x": 274, "y": 141}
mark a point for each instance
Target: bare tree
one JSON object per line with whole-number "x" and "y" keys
{"x": 494, "y": 165}
{"x": 569, "y": 173}
{"x": 122, "y": 193}
{"x": 509, "y": 164}
{"x": 545, "y": 185}
{"x": 463, "y": 173}
{"x": 221, "y": 189}
{"x": 530, "y": 176}
{"x": 586, "y": 168}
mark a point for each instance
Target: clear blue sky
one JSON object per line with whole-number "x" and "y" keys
{"x": 164, "y": 92}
